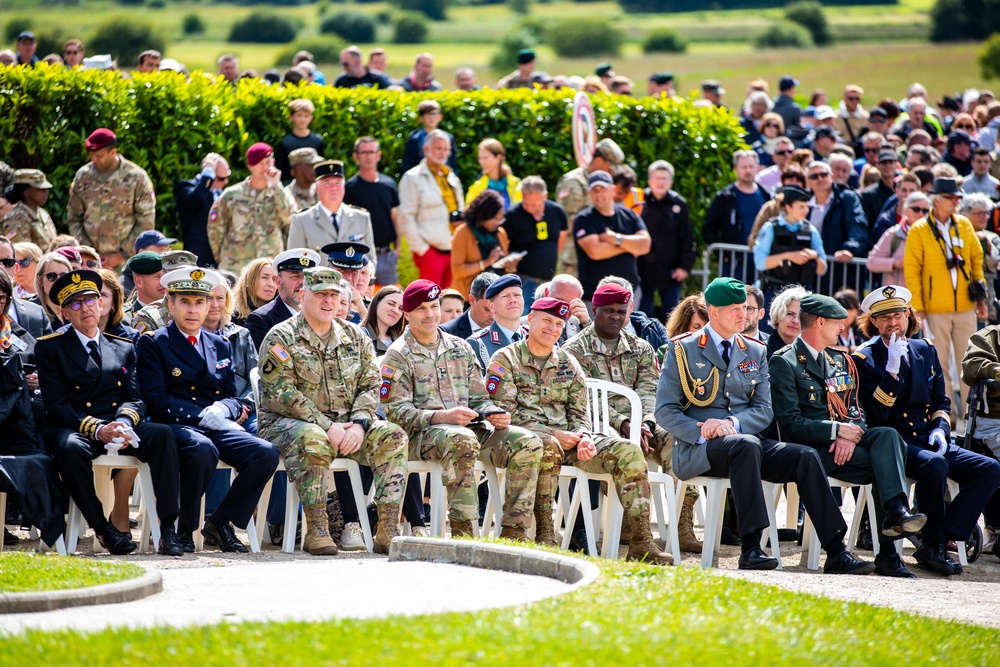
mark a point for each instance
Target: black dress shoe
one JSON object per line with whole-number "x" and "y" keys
{"x": 9, "y": 538}
{"x": 891, "y": 565}
{"x": 903, "y": 524}
{"x": 756, "y": 559}
{"x": 932, "y": 556}
{"x": 225, "y": 537}
{"x": 133, "y": 523}
{"x": 789, "y": 535}
{"x": 169, "y": 544}
{"x": 729, "y": 537}
{"x": 186, "y": 541}
{"x": 955, "y": 565}
{"x": 578, "y": 542}
{"x": 846, "y": 563}
{"x": 116, "y": 542}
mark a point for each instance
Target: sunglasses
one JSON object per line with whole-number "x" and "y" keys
{"x": 816, "y": 177}
{"x": 920, "y": 210}
{"x": 871, "y": 150}
{"x": 91, "y": 264}
{"x": 967, "y": 128}
{"x": 9, "y": 262}
{"x": 80, "y": 303}
{"x": 782, "y": 152}
{"x": 25, "y": 262}
{"x": 771, "y": 125}
{"x": 52, "y": 276}
{"x": 343, "y": 64}
{"x": 853, "y": 99}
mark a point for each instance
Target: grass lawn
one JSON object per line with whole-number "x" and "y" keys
{"x": 22, "y": 572}
{"x": 632, "y": 615}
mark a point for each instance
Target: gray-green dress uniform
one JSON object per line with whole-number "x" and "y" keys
{"x": 313, "y": 228}
{"x": 487, "y": 342}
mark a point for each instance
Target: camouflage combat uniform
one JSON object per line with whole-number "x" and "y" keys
{"x": 151, "y": 317}
{"x": 416, "y": 381}
{"x": 554, "y": 397}
{"x": 30, "y": 226}
{"x": 631, "y": 363}
{"x": 246, "y": 223}
{"x": 108, "y": 210}
{"x": 303, "y": 198}
{"x": 306, "y": 386}
{"x": 571, "y": 194}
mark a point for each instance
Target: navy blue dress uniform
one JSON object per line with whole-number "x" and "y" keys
{"x": 83, "y": 391}
{"x": 486, "y": 342}
{"x": 271, "y": 314}
{"x": 913, "y": 401}
{"x": 182, "y": 380}
{"x": 346, "y": 257}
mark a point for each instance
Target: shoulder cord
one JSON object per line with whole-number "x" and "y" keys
{"x": 687, "y": 381}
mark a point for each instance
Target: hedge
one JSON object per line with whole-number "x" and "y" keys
{"x": 167, "y": 126}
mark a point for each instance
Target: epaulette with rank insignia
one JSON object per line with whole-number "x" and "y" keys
{"x": 127, "y": 340}
{"x": 51, "y": 335}
{"x": 682, "y": 336}
{"x": 482, "y": 332}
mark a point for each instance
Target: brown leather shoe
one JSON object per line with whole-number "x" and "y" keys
{"x": 515, "y": 533}
{"x": 388, "y": 527}
{"x": 462, "y": 528}
{"x": 317, "y": 540}
{"x": 643, "y": 548}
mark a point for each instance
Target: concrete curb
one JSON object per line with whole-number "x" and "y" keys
{"x": 494, "y": 557}
{"x": 148, "y": 584}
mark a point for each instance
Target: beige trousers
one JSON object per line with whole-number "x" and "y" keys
{"x": 951, "y": 332}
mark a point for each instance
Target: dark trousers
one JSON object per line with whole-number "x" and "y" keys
{"x": 747, "y": 459}
{"x": 978, "y": 476}
{"x": 253, "y": 459}
{"x": 74, "y": 452}
{"x": 879, "y": 459}
{"x": 413, "y": 499}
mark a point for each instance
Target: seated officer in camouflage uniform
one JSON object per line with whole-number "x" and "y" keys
{"x": 433, "y": 388}
{"x": 816, "y": 403}
{"x": 607, "y": 351}
{"x": 319, "y": 390}
{"x": 717, "y": 421}
{"x": 507, "y": 304}
{"x": 545, "y": 390}
{"x": 157, "y": 314}
{"x": 902, "y": 387}
{"x": 146, "y": 268}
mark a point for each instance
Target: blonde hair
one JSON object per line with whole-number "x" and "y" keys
{"x": 245, "y": 297}
{"x": 227, "y": 307}
{"x": 301, "y": 104}
{"x": 28, "y": 249}
{"x": 43, "y": 294}
{"x": 497, "y": 149}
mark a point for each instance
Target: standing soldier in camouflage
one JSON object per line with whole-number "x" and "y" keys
{"x": 608, "y": 351}
{"x": 157, "y": 314}
{"x": 319, "y": 391}
{"x": 251, "y": 218}
{"x": 111, "y": 201}
{"x": 28, "y": 221}
{"x": 433, "y": 388}
{"x": 545, "y": 389}
{"x": 302, "y": 189}
{"x": 571, "y": 192}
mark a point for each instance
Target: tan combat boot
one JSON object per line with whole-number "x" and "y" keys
{"x": 626, "y": 531}
{"x": 642, "y": 546}
{"x": 515, "y": 533}
{"x": 462, "y": 528}
{"x": 685, "y": 527}
{"x": 388, "y": 527}
{"x": 317, "y": 540}
{"x": 545, "y": 532}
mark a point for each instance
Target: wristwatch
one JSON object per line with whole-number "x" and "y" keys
{"x": 618, "y": 239}
{"x": 363, "y": 423}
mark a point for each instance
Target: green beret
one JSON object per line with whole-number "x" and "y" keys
{"x": 723, "y": 292}
{"x": 822, "y": 306}
{"x": 146, "y": 263}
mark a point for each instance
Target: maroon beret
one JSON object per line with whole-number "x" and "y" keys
{"x": 70, "y": 253}
{"x": 101, "y": 138}
{"x": 258, "y": 152}
{"x": 610, "y": 293}
{"x": 556, "y": 307}
{"x": 418, "y": 292}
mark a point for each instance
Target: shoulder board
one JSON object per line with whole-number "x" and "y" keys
{"x": 51, "y": 335}
{"x": 114, "y": 337}
{"x": 859, "y": 355}
{"x": 481, "y": 333}
{"x": 781, "y": 350}
{"x": 751, "y": 338}
{"x": 682, "y": 336}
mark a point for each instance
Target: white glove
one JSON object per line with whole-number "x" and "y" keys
{"x": 116, "y": 445}
{"x": 131, "y": 437}
{"x": 214, "y": 417}
{"x": 938, "y": 441}
{"x": 233, "y": 426}
{"x": 897, "y": 350}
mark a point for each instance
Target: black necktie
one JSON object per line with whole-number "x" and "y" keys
{"x": 725, "y": 352}
{"x": 333, "y": 219}
{"x": 516, "y": 337}
{"x": 95, "y": 353}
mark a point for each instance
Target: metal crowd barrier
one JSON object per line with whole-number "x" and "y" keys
{"x": 736, "y": 261}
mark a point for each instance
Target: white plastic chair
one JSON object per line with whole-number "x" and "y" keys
{"x": 103, "y": 465}
{"x": 495, "y": 478}
{"x": 60, "y": 544}
{"x": 439, "y": 498}
{"x": 809, "y": 537}
{"x": 253, "y": 534}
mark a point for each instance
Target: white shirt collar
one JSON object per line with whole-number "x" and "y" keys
{"x": 717, "y": 338}
{"x": 84, "y": 340}
{"x": 329, "y": 212}
{"x": 813, "y": 351}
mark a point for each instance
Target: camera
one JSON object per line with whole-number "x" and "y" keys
{"x": 456, "y": 217}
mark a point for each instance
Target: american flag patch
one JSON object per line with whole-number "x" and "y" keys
{"x": 280, "y": 353}
{"x": 497, "y": 369}
{"x": 388, "y": 372}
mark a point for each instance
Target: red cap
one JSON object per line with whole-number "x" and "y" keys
{"x": 258, "y": 152}
{"x": 556, "y": 307}
{"x": 101, "y": 138}
{"x": 418, "y": 292}
{"x": 610, "y": 293}
{"x": 70, "y": 253}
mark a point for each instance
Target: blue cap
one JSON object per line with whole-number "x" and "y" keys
{"x": 502, "y": 283}
{"x": 787, "y": 82}
{"x": 350, "y": 256}
{"x": 152, "y": 237}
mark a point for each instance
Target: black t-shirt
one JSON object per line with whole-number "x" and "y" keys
{"x": 290, "y": 143}
{"x": 540, "y": 239}
{"x": 378, "y": 198}
{"x": 589, "y": 221}
{"x": 369, "y": 80}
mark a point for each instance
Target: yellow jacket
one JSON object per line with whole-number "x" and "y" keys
{"x": 483, "y": 182}
{"x": 926, "y": 267}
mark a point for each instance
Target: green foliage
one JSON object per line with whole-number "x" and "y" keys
{"x": 435, "y": 10}
{"x": 963, "y": 20}
{"x": 193, "y": 24}
{"x": 157, "y": 4}
{"x": 716, "y": 5}
{"x": 989, "y": 57}
{"x": 322, "y": 8}
{"x": 131, "y": 3}
{"x": 783, "y": 36}
{"x": 47, "y": 113}
{"x": 809, "y": 14}
{"x": 411, "y": 28}
{"x": 263, "y": 27}
{"x": 124, "y": 39}
{"x": 325, "y": 49}
{"x": 354, "y": 27}
{"x": 520, "y": 6}
{"x": 51, "y": 40}
{"x": 22, "y": 572}
{"x": 15, "y": 27}
{"x": 505, "y": 57}
{"x": 585, "y": 37}
{"x": 663, "y": 40}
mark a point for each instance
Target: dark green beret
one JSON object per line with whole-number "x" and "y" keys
{"x": 146, "y": 263}
{"x": 821, "y": 305}
{"x": 602, "y": 69}
{"x": 723, "y": 292}
{"x": 525, "y": 56}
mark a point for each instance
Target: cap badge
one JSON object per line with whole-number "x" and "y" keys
{"x": 76, "y": 277}
{"x": 563, "y": 311}
{"x": 304, "y": 261}
{"x": 349, "y": 252}
{"x": 889, "y": 292}
{"x": 197, "y": 274}
{"x": 433, "y": 294}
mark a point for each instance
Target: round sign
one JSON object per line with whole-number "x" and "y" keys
{"x": 584, "y": 129}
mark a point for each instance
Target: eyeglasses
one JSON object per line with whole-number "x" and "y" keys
{"x": 52, "y": 276}
{"x": 871, "y": 150}
{"x": 88, "y": 301}
{"x": 25, "y": 262}
{"x": 816, "y": 177}
{"x": 774, "y": 125}
{"x": 366, "y": 152}
{"x": 224, "y": 179}
{"x": 782, "y": 152}
{"x": 343, "y": 64}
{"x": 9, "y": 262}
{"x": 67, "y": 52}
{"x": 920, "y": 209}
{"x": 979, "y": 214}
{"x": 91, "y": 263}
{"x": 853, "y": 99}
{"x": 967, "y": 128}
